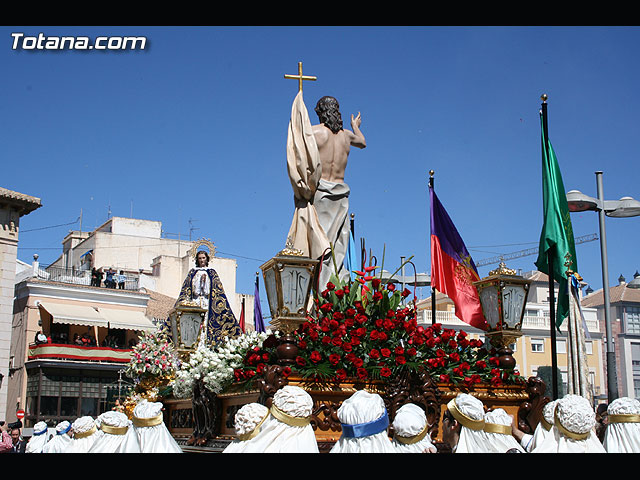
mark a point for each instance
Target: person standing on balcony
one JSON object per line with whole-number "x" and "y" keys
{"x": 121, "y": 279}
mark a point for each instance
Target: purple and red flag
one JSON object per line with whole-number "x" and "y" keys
{"x": 452, "y": 268}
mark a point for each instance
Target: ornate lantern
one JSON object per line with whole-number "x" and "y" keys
{"x": 503, "y": 295}
{"x": 288, "y": 280}
{"x": 187, "y": 322}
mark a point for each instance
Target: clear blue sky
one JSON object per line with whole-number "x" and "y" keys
{"x": 194, "y": 127}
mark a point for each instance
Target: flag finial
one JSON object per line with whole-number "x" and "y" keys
{"x": 544, "y": 97}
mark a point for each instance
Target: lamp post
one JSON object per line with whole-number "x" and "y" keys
{"x": 503, "y": 296}
{"x": 187, "y": 321}
{"x": 288, "y": 280}
{"x": 625, "y": 207}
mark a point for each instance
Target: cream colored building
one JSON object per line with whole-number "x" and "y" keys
{"x": 533, "y": 349}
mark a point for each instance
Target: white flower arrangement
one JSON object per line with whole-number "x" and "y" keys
{"x": 215, "y": 366}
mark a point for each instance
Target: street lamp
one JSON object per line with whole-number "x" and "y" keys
{"x": 625, "y": 207}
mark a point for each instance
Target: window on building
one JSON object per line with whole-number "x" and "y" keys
{"x": 561, "y": 346}
{"x": 537, "y": 345}
{"x": 589, "y": 347}
{"x": 632, "y": 319}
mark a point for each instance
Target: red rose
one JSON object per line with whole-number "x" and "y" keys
{"x": 362, "y": 373}
{"x": 391, "y": 287}
{"x": 385, "y": 372}
{"x": 336, "y": 341}
{"x": 286, "y": 371}
{"x": 377, "y": 296}
{"x": 454, "y": 357}
{"x": 406, "y": 292}
{"x": 375, "y": 354}
{"x": 360, "y": 318}
{"x": 339, "y": 293}
{"x": 375, "y": 283}
{"x": 350, "y": 313}
{"x": 385, "y": 352}
{"x": 445, "y": 378}
{"x": 302, "y": 344}
{"x": 341, "y": 374}
{"x": 326, "y": 307}
{"x": 347, "y": 347}
{"x": 399, "y": 350}
{"x": 265, "y": 357}
{"x": 481, "y": 364}
{"x": 412, "y": 352}
{"x": 387, "y": 324}
{"x": 374, "y": 335}
{"x": 358, "y": 362}
{"x": 452, "y": 344}
{"x": 400, "y": 360}
{"x": 330, "y": 286}
{"x": 315, "y": 356}
{"x": 301, "y": 361}
{"x": 334, "y": 358}
{"x": 494, "y": 361}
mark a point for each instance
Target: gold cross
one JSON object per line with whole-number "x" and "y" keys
{"x": 300, "y": 77}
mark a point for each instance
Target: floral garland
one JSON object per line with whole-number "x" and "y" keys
{"x": 218, "y": 367}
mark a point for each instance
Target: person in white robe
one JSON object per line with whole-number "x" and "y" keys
{"x": 288, "y": 427}
{"x": 575, "y": 421}
{"x": 39, "y": 438}
{"x": 153, "y": 434}
{"x": 248, "y": 422}
{"x": 85, "y": 433}
{"x": 543, "y": 433}
{"x": 622, "y": 434}
{"x": 364, "y": 421}
{"x": 497, "y": 432}
{"x": 61, "y": 440}
{"x": 118, "y": 434}
{"x": 411, "y": 430}
{"x": 463, "y": 423}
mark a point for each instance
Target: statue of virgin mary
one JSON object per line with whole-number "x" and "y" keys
{"x": 203, "y": 287}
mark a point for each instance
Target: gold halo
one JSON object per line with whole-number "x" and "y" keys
{"x": 193, "y": 251}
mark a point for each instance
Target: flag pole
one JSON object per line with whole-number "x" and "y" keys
{"x": 433, "y": 292}
{"x": 552, "y": 313}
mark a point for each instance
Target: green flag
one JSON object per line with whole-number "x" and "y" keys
{"x": 557, "y": 234}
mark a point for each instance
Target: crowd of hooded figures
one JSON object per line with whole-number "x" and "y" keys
{"x": 111, "y": 432}
{"x": 568, "y": 425}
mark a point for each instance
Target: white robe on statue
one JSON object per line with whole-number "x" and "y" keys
{"x": 623, "y": 430}
{"x": 118, "y": 435}
{"x": 62, "y": 439}
{"x": 575, "y": 422}
{"x": 153, "y": 434}
{"x": 411, "y": 430}
{"x": 85, "y": 433}
{"x": 248, "y": 422}
{"x": 39, "y": 438}
{"x": 364, "y": 425}
{"x": 305, "y": 170}
{"x": 288, "y": 428}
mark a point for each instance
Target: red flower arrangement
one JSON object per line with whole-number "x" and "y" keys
{"x": 364, "y": 330}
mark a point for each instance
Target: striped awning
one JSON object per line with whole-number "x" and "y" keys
{"x": 74, "y": 314}
{"x": 127, "y": 319}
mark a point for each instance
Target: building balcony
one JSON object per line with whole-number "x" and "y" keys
{"x": 76, "y": 353}
{"x": 529, "y": 322}
{"x": 83, "y": 277}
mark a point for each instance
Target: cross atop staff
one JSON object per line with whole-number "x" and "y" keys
{"x": 300, "y": 77}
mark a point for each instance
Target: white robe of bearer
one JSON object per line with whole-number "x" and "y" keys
{"x": 497, "y": 431}
{"x": 575, "y": 422}
{"x": 545, "y": 433}
{"x": 118, "y": 435}
{"x": 248, "y": 422}
{"x": 85, "y": 433}
{"x": 469, "y": 412}
{"x": 411, "y": 433}
{"x": 62, "y": 439}
{"x": 623, "y": 429}
{"x": 288, "y": 428}
{"x": 153, "y": 434}
{"x": 364, "y": 421}
{"x": 39, "y": 438}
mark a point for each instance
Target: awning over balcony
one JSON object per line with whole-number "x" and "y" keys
{"x": 127, "y": 319}
{"x": 74, "y": 314}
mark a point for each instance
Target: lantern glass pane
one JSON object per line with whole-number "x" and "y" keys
{"x": 189, "y": 329}
{"x": 513, "y": 297}
{"x": 295, "y": 285}
{"x": 270, "y": 287}
{"x": 489, "y": 299}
